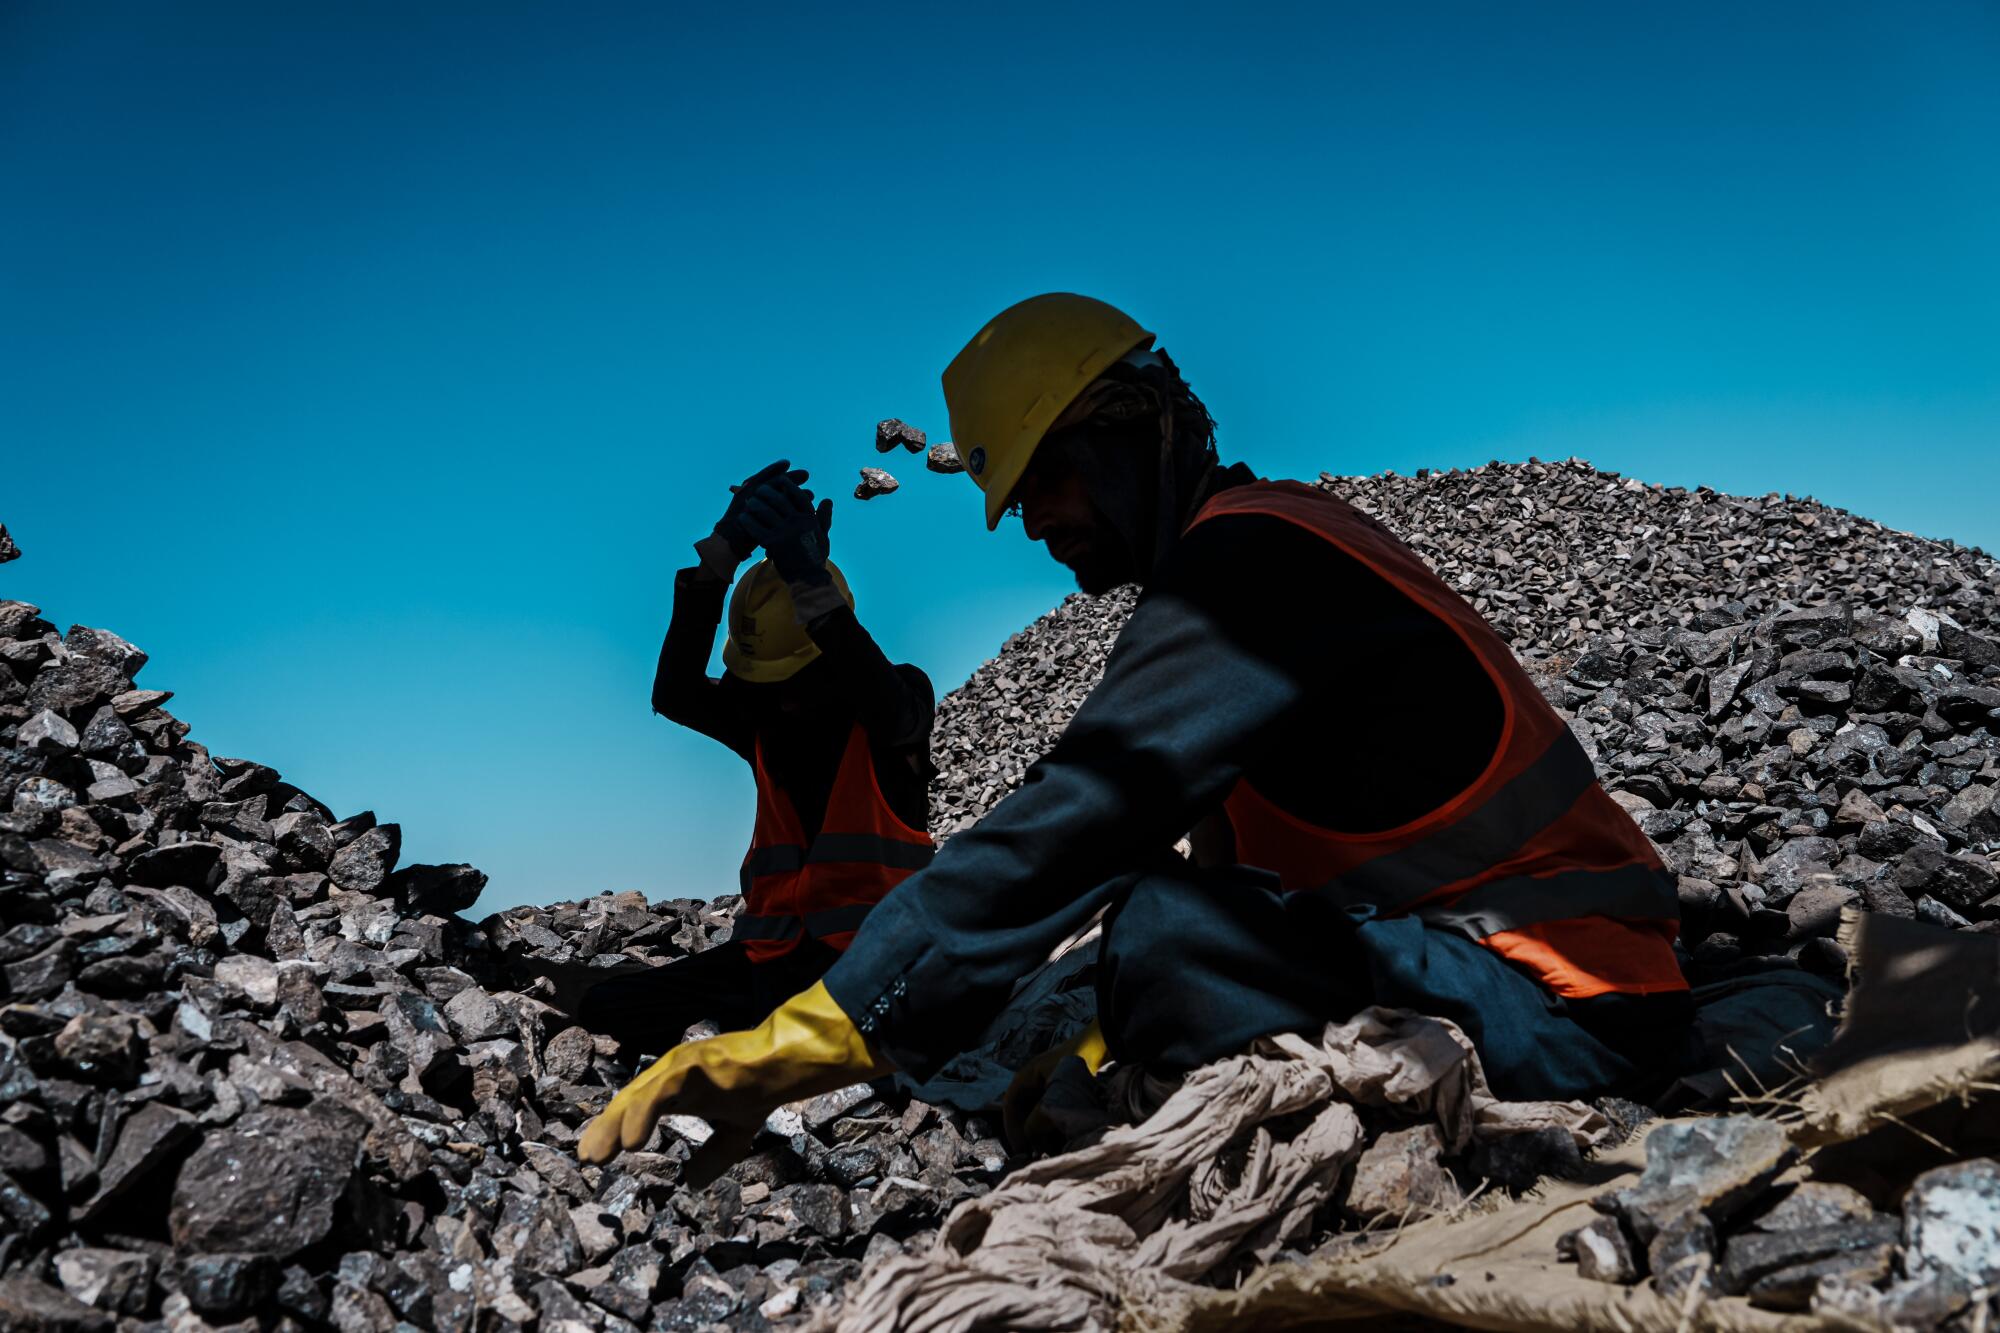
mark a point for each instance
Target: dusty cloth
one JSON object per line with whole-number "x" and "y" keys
{"x": 1493, "y": 1270}
{"x": 1231, "y": 1168}
{"x": 1907, "y": 1084}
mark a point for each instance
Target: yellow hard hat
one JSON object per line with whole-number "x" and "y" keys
{"x": 766, "y": 643}
{"x": 1018, "y": 374}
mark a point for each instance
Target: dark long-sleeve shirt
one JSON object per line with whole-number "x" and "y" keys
{"x": 1261, "y": 651}
{"x": 851, "y": 681}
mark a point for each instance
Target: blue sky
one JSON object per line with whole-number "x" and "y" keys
{"x": 373, "y": 365}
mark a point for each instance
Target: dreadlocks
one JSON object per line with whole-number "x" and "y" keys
{"x": 1142, "y": 420}
{"x": 1144, "y": 400}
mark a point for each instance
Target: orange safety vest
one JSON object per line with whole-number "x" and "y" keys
{"x": 1534, "y": 860}
{"x": 823, "y": 888}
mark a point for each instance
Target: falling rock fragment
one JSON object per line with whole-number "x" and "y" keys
{"x": 893, "y": 432}
{"x": 944, "y": 458}
{"x": 874, "y": 482}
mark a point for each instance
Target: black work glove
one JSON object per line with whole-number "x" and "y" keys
{"x": 731, "y": 527}
{"x": 780, "y": 516}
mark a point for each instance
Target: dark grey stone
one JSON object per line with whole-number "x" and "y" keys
{"x": 267, "y": 1185}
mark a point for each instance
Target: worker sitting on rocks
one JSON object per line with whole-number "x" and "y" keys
{"x": 838, "y": 738}
{"x": 1385, "y": 810}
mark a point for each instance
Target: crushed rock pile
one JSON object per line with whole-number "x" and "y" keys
{"x": 254, "y": 1072}
{"x": 1554, "y": 554}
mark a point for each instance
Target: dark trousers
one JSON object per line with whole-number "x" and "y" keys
{"x": 649, "y": 1011}
{"x": 1195, "y": 964}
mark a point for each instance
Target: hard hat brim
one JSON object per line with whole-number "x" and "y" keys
{"x": 747, "y": 668}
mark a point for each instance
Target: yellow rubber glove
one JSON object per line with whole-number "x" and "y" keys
{"x": 1021, "y": 1108}
{"x": 807, "y": 1046}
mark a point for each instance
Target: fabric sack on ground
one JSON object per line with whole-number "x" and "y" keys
{"x": 1231, "y": 1168}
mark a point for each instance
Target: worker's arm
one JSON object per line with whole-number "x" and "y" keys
{"x": 1189, "y": 698}
{"x": 894, "y": 705}
{"x": 683, "y": 691}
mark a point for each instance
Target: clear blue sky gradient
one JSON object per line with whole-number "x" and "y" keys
{"x": 373, "y": 365}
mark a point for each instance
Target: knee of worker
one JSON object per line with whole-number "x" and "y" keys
{"x": 1168, "y": 925}
{"x": 1145, "y": 928}
{"x": 1193, "y": 967}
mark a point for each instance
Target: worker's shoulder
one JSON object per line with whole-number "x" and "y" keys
{"x": 1254, "y": 562}
{"x": 1258, "y": 521}
{"x": 1291, "y": 500}
{"x": 915, "y": 677}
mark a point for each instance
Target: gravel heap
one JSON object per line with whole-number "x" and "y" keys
{"x": 1801, "y": 763}
{"x": 1555, "y": 555}
{"x": 253, "y": 1069}
{"x": 254, "y": 1072}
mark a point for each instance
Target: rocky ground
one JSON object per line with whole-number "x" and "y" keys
{"x": 254, "y": 1070}
{"x": 1711, "y": 1216}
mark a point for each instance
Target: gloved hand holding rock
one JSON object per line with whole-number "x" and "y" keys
{"x": 807, "y": 1046}
{"x": 730, "y": 543}
{"x": 779, "y": 516}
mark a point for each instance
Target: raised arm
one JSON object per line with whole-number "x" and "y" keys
{"x": 683, "y": 691}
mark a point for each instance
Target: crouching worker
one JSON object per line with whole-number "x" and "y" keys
{"x": 838, "y": 738}
{"x": 1385, "y": 811}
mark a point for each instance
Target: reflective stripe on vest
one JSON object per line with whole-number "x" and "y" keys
{"x": 831, "y": 921}
{"x": 868, "y": 848}
{"x": 1534, "y": 860}
{"x": 823, "y": 889}
{"x": 1484, "y": 838}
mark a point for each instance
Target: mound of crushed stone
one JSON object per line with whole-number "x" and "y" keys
{"x": 1555, "y": 555}
{"x": 255, "y": 1072}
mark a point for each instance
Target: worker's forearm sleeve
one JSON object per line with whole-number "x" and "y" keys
{"x": 893, "y": 706}
{"x": 682, "y": 689}
{"x": 1182, "y": 709}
